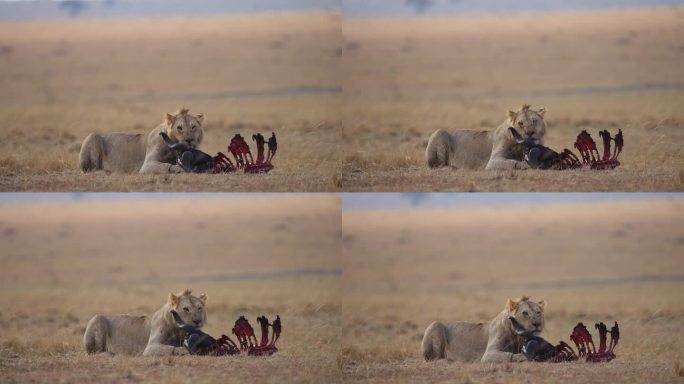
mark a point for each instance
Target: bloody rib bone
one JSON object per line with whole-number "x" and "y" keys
{"x": 535, "y": 348}
{"x": 243, "y": 156}
{"x": 539, "y": 156}
{"x": 272, "y": 147}
{"x": 200, "y": 343}
{"x": 194, "y": 160}
{"x": 260, "y": 141}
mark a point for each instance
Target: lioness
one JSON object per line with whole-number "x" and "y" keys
{"x": 126, "y": 152}
{"x": 156, "y": 335}
{"x": 494, "y": 341}
{"x": 495, "y": 150}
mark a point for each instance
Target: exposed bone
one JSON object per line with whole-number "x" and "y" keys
{"x": 272, "y": 147}
{"x": 260, "y": 142}
{"x": 605, "y": 135}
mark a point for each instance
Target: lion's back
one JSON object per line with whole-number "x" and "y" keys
{"x": 468, "y": 341}
{"x": 119, "y": 334}
{"x": 465, "y": 149}
{"x": 124, "y": 152}
{"x": 118, "y": 151}
{"x": 473, "y": 148}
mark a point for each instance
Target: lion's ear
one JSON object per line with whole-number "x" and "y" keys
{"x": 200, "y": 117}
{"x": 511, "y": 305}
{"x": 203, "y": 298}
{"x": 542, "y": 303}
{"x": 542, "y": 111}
{"x": 511, "y": 115}
{"x": 169, "y": 119}
{"x": 173, "y": 299}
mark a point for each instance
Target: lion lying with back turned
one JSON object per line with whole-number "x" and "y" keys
{"x": 156, "y": 335}
{"x": 495, "y": 150}
{"x": 494, "y": 341}
{"x": 126, "y": 152}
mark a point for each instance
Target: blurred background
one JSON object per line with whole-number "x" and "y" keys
{"x": 61, "y": 9}
{"x": 360, "y": 8}
{"x": 68, "y": 257}
{"x": 69, "y": 68}
{"x": 409, "y": 261}
{"x": 411, "y": 67}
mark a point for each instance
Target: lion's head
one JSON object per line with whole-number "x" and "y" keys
{"x": 529, "y": 123}
{"x": 185, "y": 128}
{"x": 192, "y": 309}
{"x": 527, "y": 313}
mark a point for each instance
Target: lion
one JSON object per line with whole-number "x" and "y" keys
{"x": 494, "y": 341}
{"x": 129, "y": 153}
{"x": 490, "y": 150}
{"x": 155, "y": 335}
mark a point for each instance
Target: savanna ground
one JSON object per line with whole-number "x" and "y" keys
{"x": 590, "y": 261}
{"x": 62, "y": 80}
{"x": 64, "y": 262}
{"x": 406, "y": 77}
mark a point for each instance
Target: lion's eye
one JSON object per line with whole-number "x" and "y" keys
{"x": 186, "y": 309}
{"x": 180, "y": 129}
{"x": 534, "y": 121}
{"x": 193, "y": 127}
{"x": 525, "y": 313}
{"x": 520, "y": 123}
{"x": 199, "y": 308}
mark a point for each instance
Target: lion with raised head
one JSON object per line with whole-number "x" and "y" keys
{"x": 491, "y": 150}
{"x": 494, "y": 341}
{"x": 129, "y": 153}
{"x": 155, "y": 335}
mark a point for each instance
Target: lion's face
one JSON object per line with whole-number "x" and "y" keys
{"x": 192, "y": 309}
{"x": 185, "y": 128}
{"x": 528, "y": 313}
{"x": 529, "y": 123}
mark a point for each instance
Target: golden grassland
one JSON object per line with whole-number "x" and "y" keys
{"x": 250, "y": 73}
{"x": 64, "y": 262}
{"x": 619, "y": 69}
{"x": 591, "y": 262}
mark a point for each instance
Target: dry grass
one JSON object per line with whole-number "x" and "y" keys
{"x": 590, "y": 262}
{"x": 679, "y": 368}
{"x": 63, "y": 80}
{"x": 404, "y": 78}
{"x": 65, "y": 262}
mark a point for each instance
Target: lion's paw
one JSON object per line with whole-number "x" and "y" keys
{"x": 522, "y": 165}
{"x": 176, "y": 169}
{"x": 518, "y": 358}
{"x": 180, "y": 351}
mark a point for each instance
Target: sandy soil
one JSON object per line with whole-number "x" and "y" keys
{"x": 406, "y": 77}
{"x": 64, "y": 262}
{"x": 590, "y": 261}
{"x": 254, "y": 73}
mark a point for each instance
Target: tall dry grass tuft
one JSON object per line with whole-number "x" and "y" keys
{"x": 679, "y": 368}
{"x": 41, "y": 347}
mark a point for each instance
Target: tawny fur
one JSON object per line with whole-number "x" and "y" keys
{"x": 130, "y": 153}
{"x": 494, "y": 341}
{"x": 491, "y": 150}
{"x": 155, "y": 335}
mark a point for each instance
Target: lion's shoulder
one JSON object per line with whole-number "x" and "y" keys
{"x": 162, "y": 325}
